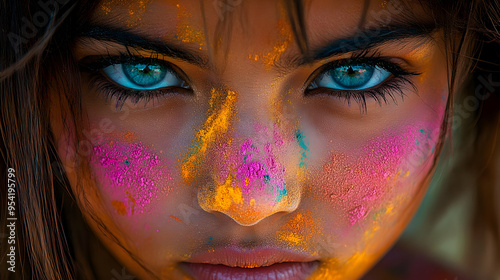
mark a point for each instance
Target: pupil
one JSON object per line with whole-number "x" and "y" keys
{"x": 351, "y": 71}
{"x": 146, "y": 70}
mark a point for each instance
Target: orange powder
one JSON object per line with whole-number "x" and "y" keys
{"x": 185, "y": 31}
{"x": 130, "y": 137}
{"x": 298, "y": 229}
{"x": 279, "y": 47}
{"x": 135, "y": 9}
{"x": 176, "y": 218}
{"x": 226, "y": 195}
{"x": 120, "y": 207}
{"x": 332, "y": 269}
{"x": 131, "y": 200}
{"x": 219, "y": 118}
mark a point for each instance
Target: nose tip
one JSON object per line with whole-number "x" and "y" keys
{"x": 248, "y": 204}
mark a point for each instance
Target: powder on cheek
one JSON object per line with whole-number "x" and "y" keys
{"x": 132, "y": 174}
{"x": 359, "y": 183}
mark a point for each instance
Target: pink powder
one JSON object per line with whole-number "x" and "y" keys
{"x": 255, "y": 166}
{"x": 359, "y": 183}
{"x": 132, "y": 172}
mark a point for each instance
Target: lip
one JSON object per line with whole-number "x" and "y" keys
{"x": 262, "y": 263}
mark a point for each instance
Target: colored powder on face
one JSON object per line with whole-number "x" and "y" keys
{"x": 298, "y": 230}
{"x": 281, "y": 193}
{"x": 220, "y": 115}
{"x": 303, "y": 147}
{"x": 249, "y": 180}
{"x": 120, "y": 207}
{"x": 131, "y": 202}
{"x": 186, "y": 32}
{"x": 284, "y": 40}
{"x": 131, "y": 171}
{"x": 130, "y": 137}
{"x": 333, "y": 269}
{"x": 176, "y": 218}
{"x": 389, "y": 208}
{"x": 359, "y": 183}
{"x": 253, "y": 173}
{"x": 357, "y": 214}
{"x": 227, "y": 195}
{"x": 135, "y": 9}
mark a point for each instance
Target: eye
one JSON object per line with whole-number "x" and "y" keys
{"x": 139, "y": 79}
{"x": 351, "y": 77}
{"x": 362, "y": 79}
{"x": 144, "y": 76}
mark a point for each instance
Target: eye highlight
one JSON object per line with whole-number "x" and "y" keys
{"x": 360, "y": 79}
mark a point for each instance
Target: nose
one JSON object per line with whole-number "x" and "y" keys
{"x": 249, "y": 183}
{"x": 251, "y": 167}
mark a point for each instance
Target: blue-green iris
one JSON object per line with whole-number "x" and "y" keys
{"x": 144, "y": 75}
{"x": 352, "y": 76}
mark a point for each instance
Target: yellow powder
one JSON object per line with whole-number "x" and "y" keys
{"x": 299, "y": 228}
{"x": 135, "y": 9}
{"x": 226, "y": 195}
{"x": 284, "y": 40}
{"x": 186, "y": 32}
{"x": 217, "y": 123}
{"x": 333, "y": 269}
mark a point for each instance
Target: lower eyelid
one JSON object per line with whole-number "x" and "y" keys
{"x": 115, "y": 93}
{"x": 387, "y": 91}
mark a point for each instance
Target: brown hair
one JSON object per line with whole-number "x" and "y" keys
{"x": 31, "y": 59}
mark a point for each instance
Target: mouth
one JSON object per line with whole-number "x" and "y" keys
{"x": 262, "y": 264}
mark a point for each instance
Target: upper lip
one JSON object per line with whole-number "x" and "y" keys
{"x": 249, "y": 258}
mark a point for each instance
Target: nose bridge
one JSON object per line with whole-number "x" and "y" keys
{"x": 249, "y": 178}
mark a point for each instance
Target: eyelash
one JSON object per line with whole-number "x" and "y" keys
{"x": 110, "y": 90}
{"x": 388, "y": 89}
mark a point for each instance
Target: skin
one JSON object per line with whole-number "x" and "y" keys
{"x": 177, "y": 175}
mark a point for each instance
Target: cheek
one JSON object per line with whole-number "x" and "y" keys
{"x": 379, "y": 180}
{"x": 132, "y": 176}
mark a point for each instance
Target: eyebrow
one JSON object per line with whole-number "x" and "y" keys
{"x": 367, "y": 39}
{"x": 360, "y": 41}
{"x": 130, "y": 39}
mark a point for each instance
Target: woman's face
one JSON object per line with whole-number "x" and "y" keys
{"x": 216, "y": 148}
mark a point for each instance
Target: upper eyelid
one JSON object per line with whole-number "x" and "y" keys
{"x": 100, "y": 61}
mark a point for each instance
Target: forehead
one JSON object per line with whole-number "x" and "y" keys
{"x": 198, "y": 22}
